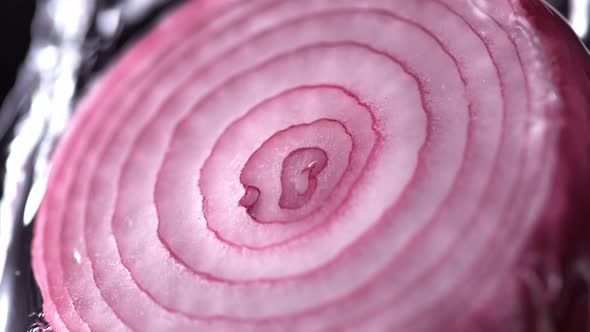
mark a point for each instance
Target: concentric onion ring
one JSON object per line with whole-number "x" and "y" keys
{"x": 306, "y": 166}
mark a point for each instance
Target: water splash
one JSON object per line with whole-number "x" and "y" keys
{"x": 39, "y": 323}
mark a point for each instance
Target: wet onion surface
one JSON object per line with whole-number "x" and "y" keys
{"x": 326, "y": 166}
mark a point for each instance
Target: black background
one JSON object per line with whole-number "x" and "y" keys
{"x": 15, "y": 22}
{"x": 15, "y": 37}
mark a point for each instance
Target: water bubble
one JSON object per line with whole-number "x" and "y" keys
{"x": 39, "y": 323}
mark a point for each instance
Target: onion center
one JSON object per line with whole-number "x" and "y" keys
{"x": 299, "y": 180}
{"x": 285, "y": 173}
{"x": 299, "y": 176}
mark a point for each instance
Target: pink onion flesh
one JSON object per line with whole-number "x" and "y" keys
{"x": 316, "y": 165}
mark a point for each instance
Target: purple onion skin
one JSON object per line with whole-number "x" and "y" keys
{"x": 564, "y": 241}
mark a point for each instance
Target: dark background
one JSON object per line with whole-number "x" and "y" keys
{"x": 15, "y": 24}
{"x": 15, "y": 21}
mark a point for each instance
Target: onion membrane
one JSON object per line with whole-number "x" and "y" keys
{"x": 318, "y": 165}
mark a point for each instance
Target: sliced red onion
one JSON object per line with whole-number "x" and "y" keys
{"x": 325, "y": 166}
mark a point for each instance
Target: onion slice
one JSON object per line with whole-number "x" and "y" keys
{"x": 315, "y": 165}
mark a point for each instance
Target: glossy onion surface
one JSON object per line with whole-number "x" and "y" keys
{"x": 318, "y": 165}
